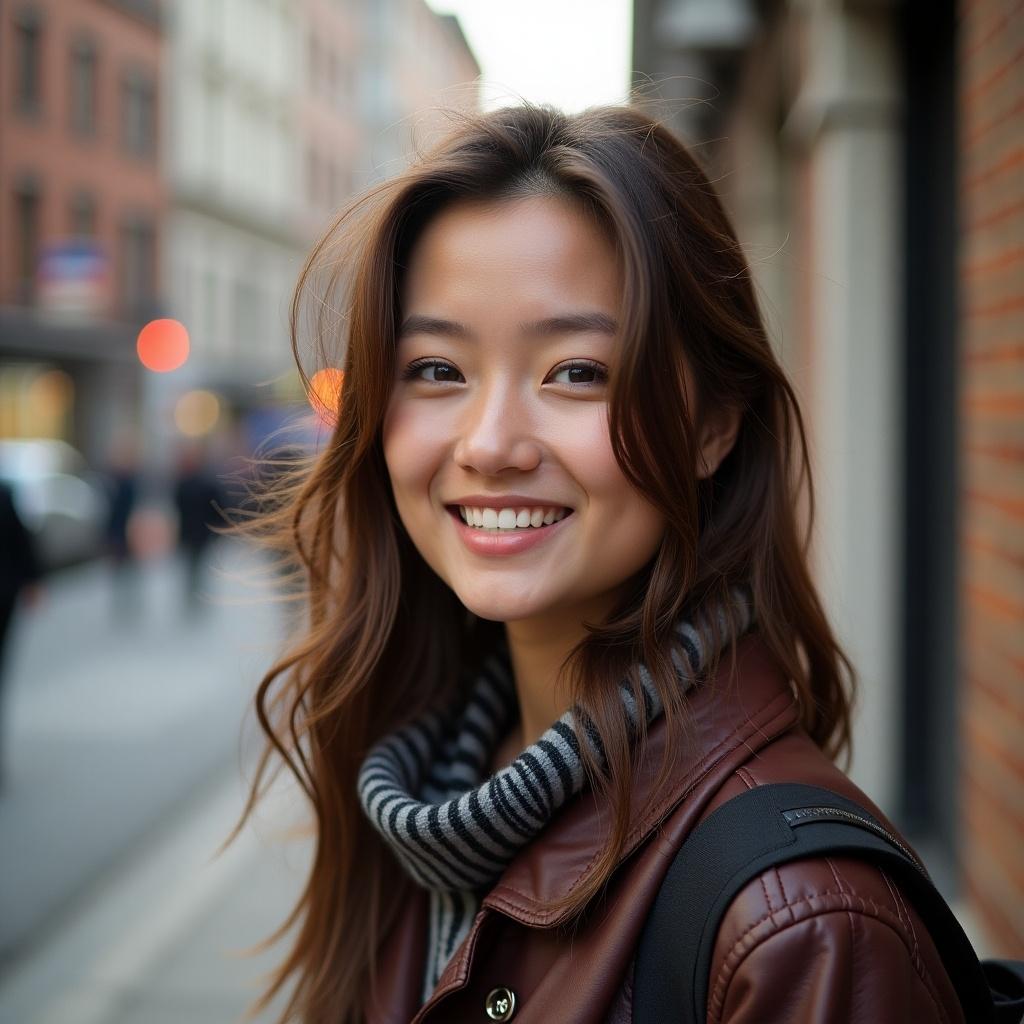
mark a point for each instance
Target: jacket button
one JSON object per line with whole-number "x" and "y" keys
{"x": 500, "y": 1004}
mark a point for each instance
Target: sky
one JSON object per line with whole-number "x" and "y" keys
{"x": 571, "y": 53}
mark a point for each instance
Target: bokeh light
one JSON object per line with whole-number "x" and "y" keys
{"x": 163, "y": 345}
{"x": 49, "y": 398}
{"x": 325, "y": 393}
{"x": 196, "y": 412}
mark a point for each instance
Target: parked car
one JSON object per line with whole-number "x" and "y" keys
{"x": 59, "y": 498}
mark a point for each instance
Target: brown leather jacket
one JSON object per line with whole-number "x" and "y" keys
{"x": 820, "y": 940}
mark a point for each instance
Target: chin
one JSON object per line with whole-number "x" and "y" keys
{"x": 503, "y": 609}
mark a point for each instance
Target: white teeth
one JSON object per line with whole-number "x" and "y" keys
{"x": 510, "y": 518}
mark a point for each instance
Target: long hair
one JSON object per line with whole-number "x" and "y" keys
{"x": 386, "y": 637}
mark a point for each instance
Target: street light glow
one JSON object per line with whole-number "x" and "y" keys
{"x": 163, "y": 345}
{"x": 196, "y": 413}
{"x": 325, "y": 393}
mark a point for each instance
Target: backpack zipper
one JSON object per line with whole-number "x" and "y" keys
{"x": 807, "y": 815}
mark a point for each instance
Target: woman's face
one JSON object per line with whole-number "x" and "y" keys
{"x": 500, "y": 405}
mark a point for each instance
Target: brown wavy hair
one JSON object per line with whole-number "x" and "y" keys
{"x": 381, "y": 636}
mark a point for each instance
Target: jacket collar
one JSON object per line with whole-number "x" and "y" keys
{"x": 729, "y": 718}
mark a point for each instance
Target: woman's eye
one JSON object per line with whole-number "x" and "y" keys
{"x": 582, "y": 371}
{"x": 441, "y": 372}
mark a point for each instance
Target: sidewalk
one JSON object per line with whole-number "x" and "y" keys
{"x": 124, "y": 740}
{"x": 109, "y": 723}
{"x": 160, "y": 940}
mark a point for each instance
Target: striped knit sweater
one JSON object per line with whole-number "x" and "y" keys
{"x": 453, "y": 827}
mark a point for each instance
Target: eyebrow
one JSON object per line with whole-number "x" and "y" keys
{"x": 565, "y": 323}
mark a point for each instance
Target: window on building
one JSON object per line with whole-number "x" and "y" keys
{"x": 137, "y": 263}
{"x": 83, "y": 83}
{"x": 213, "y": 140}
{"x": 28, "y": 44}
{"x": 83, "y": 215}
{"x": 26, "y": 237}
{"x": 138, "y": 113}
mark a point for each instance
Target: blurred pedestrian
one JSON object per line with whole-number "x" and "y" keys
{"x": 122, "y": 474}
{"x": 20, "y": 572}
{"x": 197, "y": 496}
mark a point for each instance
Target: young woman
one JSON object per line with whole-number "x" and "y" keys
{"x": 559, "y": 602}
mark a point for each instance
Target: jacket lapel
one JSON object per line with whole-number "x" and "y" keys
{"x": 728, "y": 720}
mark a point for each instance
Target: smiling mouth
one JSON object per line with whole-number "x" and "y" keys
{"x": 508, "y": 520}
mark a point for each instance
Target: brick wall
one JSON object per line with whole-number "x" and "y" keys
{"x": 40, "y": 144}
{"x": 991, "y": 126}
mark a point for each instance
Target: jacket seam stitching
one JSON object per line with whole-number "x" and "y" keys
{"x": 733, "y": 959}
{"x": 835, "y": 875}
{"x": 919, "y": 964}
{"x": 901, "y": 903}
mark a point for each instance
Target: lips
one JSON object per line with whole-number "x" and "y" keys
{"x": 504, "y": 542}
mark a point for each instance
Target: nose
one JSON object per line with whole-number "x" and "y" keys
{"x": 496, "y": 432}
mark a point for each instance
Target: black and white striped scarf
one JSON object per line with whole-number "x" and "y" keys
{"x": 454, "y": 828}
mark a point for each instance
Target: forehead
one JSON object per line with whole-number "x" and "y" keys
{"x": 541, "y": 251}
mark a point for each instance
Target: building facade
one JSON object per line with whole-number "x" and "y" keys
{"x": 419, "y": 68}
{"x": 82, "y": 207}
{"x": 234, "y": 241}
{"x": 275, "y": 112}
{"x": 869, "y": 154}
{"x": 330, "y": 114}
{"x": 179, "y": 159}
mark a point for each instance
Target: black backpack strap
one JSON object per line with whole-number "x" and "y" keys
{"x": 770, "y": 825}
{"x": 1006, "y": 983}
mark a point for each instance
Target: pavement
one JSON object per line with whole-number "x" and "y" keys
{"x": 129, "y": 748}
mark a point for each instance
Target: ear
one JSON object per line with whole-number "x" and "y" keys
{"x": 718, "y": 435}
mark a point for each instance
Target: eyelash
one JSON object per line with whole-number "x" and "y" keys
{"x": 601, "y": 373}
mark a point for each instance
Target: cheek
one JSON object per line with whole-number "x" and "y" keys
{"x": 627, "y": 521}
{"x": 407, "y": 448}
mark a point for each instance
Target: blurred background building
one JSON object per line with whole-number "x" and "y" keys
{"x": 82, "y": 207}
{"x": 870, "y": 154}
{"x": 234, "y": 77}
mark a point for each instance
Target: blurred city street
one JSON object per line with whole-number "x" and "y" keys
{"x": 129, "y": 742}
